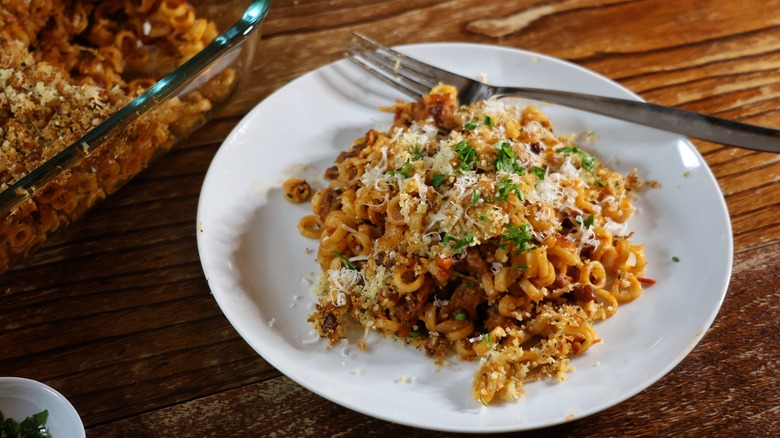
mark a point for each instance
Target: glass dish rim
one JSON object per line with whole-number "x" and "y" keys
{"x": 243, "y": 28}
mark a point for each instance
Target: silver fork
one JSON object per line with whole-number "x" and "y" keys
{"x": 416, "y": 78}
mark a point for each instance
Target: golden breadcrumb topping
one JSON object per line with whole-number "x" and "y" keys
{"x": 476, "y": 231}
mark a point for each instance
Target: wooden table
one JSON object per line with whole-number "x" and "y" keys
{"x": 116, "y": 314}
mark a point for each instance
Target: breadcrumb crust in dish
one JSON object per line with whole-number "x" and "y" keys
{"x": 475, "y": 231}
{"x": 66, "y": 67}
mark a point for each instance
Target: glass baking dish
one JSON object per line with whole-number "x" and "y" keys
{"x": 62, "y": 188}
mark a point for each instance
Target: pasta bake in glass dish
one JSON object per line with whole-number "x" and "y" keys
{"x": 477, "y": 231}
{"x": 93, "y": 91}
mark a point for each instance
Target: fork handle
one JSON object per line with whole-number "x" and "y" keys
{"x": 688, "y": 123}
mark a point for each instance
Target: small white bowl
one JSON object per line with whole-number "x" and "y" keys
{"x": 21, "y": 398}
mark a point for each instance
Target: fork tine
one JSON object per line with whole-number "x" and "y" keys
{"x": 418, "y": 68}
{"x": 391, "y": 69}
{"x": 388, "y": 71}
{"x": 391, "y": 65}
{"x": 434, "y": 74}
{"x": 395, "y": 83}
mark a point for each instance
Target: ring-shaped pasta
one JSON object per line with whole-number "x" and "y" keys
{"x": 394, "y": 212}
{"x": 387, "y": 325}
{"x": 310, "y": 226}
{"x": 359, "y": 243}
{"x": 451, "y": 325}
{"x": 460, "y": 333}
{"x": 568, "y": 257}
{"x": 608, "y": 302}
{"x": 626, "y": 287}
{"x": 593, "y": 274}
{"x": 406, "y": 280}
{"x": 534, "y": 294}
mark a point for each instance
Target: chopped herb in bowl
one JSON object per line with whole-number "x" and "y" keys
{"x": 33, "y": 426}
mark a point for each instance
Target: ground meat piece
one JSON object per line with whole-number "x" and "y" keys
{"x": 584, "y": 293}
{"x": 494, "y": 319}
{"x": 437, "y": 347}
{"x": 325, "y": 201}
{"x": 561, "y": 280}
{"x": 465, "y": 299}
{"x": 358, "y": 145}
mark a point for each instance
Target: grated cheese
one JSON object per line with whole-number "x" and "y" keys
{"x": 493, "y": 177}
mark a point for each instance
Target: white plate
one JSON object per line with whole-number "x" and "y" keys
{"x": 260, "y": 269}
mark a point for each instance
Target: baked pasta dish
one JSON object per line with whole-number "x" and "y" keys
{"x": 475, "y": 231}
{"x": 65, "y": 67}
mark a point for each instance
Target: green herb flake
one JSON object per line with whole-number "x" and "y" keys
{"x": 466, "y": 154}
{"x": 414, "y": 334}
{"x": 538, "y": 172}
{"x": 486, "y": 337}
{"x": 416, "y": 152}
{"x": 518, "y": 236}
{"x": 462, "y": 243}
{"x": 482, "y": 217}
{"x": 475, "y": 197}
{"x": 438, "y": 179}
{"x": 459, "y": 243}
{"x": 506, "y": 186}
{"x": 470, "y": 126}
{"x": 488, "y": 122}
{"x": 587, "y": 222}
{"x": 522, "y": 268}
{"x": 405, "y": 171}
{"x": 587, "y": 161}
{"x": 675, "y": 259}
{"x": 33, "y": 426}
{"x": 460, "y": 316}
{"x": 506, "y": 160}
{"x": 347, "y": 264}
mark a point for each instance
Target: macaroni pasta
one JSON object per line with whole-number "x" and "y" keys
{"x": 65, "y": 67}
{"x": 475, "y": 230}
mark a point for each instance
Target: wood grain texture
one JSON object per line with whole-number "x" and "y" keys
{"x": 116, "y": 313}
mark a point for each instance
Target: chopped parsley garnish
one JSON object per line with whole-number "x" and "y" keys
{"x": 344, "y": 260}
{"x": 32, "y": 426}
{"x": 405, "y": 171}
{"x": 587, "y": 161}
{"x": 486, "y": 336}
{"x": 459, "y": 244}
{"x": 414, "y": 334}
{"x": 460, "y": 316}
{"x": 675, "y": 259}
{"x": 507, "y": 186}
{"x": 587, "y": 222}
{"x": 470, "y": 126}
{"x": 522, "y": 268}
{"x": 519, "y": 237}
{"x": 475, "y": 197}
{"x": 538, "y": 172}
{"x": 466, "y": 154}
{"x": 416, "y": 152}
{"x": 482, "y": 217}
{"x": 489, "y": 122}
{"x": 462, "y": 243}
{"x": 437, "y": 179}
{"x": 506, "y": 160}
